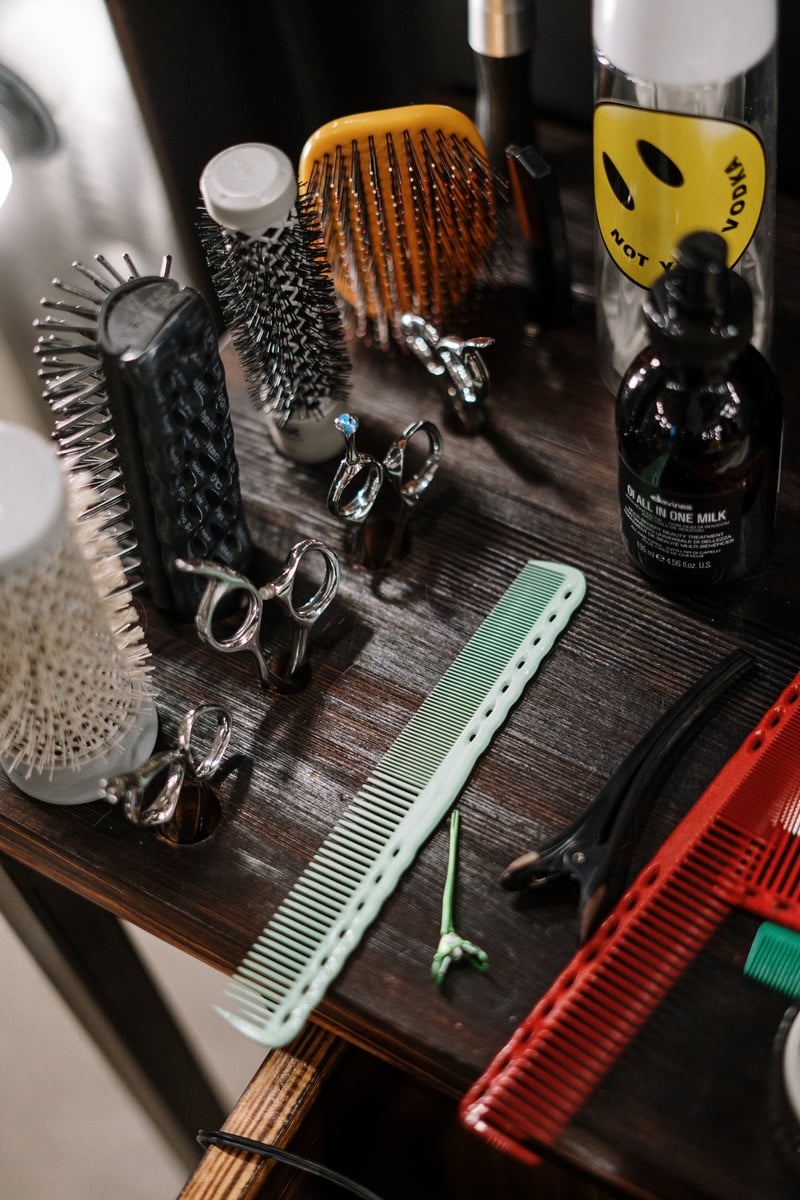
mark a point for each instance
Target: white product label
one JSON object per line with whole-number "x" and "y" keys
{"x": 697, "y": 534}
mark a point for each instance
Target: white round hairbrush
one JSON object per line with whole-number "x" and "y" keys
{"x": 75, "y": 702}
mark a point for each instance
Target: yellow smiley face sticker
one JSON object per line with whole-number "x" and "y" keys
{"x": 661, "y": 175}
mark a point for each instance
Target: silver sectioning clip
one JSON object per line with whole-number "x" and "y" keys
{"x": 459, "y": 358}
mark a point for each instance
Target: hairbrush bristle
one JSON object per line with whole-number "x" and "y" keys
{"x": 407, "y": 211}
{"x": 75, "y": 389}
{"x": 74, "y": 672}
{"x": 110, "y": 583}
{"x": 278, "y": 301}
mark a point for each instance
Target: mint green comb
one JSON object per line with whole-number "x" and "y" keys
{"x": 288, "y": 969}
{"x": 774, "y": 958}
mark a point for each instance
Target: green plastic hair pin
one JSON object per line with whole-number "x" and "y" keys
{"x": 452, "y": 947}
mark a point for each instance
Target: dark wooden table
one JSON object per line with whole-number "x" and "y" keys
{"x": 686, "y": 1113}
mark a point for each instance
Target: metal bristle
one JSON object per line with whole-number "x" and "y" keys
{"x": 69, "y": 373}
{"x": 71, "y": 440}
{"x": 409, "y": 224}
{"x": 130, "y": 264}
{"x": 74, "y": 387}
{"x": 363, "y": 248}
{"x": 69, "y": 401}
{"x": 93, "y": 277}
{"x": 73, "y": 290}
{"x": 113, "y": 272}
{"x": 51, "y": 324}
{"x": 77, "y": 310}
{"x": 49, "y": 344}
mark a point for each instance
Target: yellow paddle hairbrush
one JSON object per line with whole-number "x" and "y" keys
{"x": 406, "y": 201}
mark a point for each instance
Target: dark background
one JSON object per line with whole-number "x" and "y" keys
{"x": 209, "y": 75}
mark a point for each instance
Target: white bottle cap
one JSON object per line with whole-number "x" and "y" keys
{"x": 32, "y": 496}
{"x": 684, "y": 42}
{"x": 250, "y": 187}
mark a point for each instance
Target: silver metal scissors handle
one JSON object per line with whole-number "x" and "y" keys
{"x": 247, "y": 637}
{"x": 352, "y": 466}
{"x": 412, "y": 490}
{"x": 391, "y": 467}
{"x": 309, "y": 611}
{"x": 222, "y": 583}
{"x": 131, "y": 788}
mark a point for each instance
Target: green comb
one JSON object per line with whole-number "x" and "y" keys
{"x": 288, "y": 969}
{"x": 774, "y": 958}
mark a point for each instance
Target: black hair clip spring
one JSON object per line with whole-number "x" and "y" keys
{"x": 459, "y": 361}
{"x": 595, "y": 849}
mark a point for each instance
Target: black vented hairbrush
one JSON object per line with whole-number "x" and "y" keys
{"x": 133, "y": 377}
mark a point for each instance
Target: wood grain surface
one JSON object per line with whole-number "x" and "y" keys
{"x": 272, "y": 1109}
{"x": 539, "y": 482}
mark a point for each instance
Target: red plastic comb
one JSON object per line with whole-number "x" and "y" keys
{"x": 738, "y": 846}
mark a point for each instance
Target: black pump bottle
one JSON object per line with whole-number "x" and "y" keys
{"x": 699, "y": 427}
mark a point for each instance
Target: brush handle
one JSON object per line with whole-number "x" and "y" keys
{"x": 249, "y": 188}
{"x": 169, "y": 403}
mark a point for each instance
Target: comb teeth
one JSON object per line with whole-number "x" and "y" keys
{"x": 722, "y": 853}
{"x": 74, "y": 387}
{"x": 407, "y": 215}
{"x": 774, "y": 958}
{"x": 767, "y": 879}
{"x": 305, "y": 944}
{"x": 597, "y": 1005}
{"x": 772, "y": 884}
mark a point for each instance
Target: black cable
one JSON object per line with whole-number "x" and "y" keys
{"x": 218, "y": 1137}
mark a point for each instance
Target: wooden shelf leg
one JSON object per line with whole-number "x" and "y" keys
{"x": 90, "y": 960}
{"x": 271, "y": 1109}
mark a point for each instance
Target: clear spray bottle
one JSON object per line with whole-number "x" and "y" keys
{"x": 684, "y": 140}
